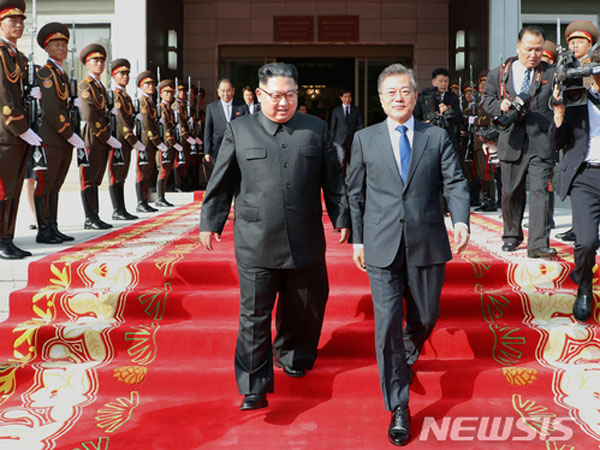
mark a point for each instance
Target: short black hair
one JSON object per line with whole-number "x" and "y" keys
{"x": 277, "y": 69}
{"x": 345, "y": 91}
{"x": 247, "y": 88}
{"x": 532, "y": 29}
{"x": 440, "y": 71}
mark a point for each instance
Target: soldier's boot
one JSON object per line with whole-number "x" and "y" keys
{"x": 160, "y": 192}
{"x": 6, "y": 251}
{"x": 105, "y": 226}
{"x": 42, "y": 213}
{"x": 178, "y": 179}
{"x": 121, "y": 195}
{"x": 53, "y": 208}
{"x": 118, "y": 210}
{"x": 92, "y": 221}
{"x": 142, "y": 198}
{"x": 13, "y": 206}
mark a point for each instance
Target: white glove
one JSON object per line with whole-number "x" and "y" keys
{"x": 114, "y": 143}
{"x": 31, "y": 137}
{"x": 139, "y": 146}
{"x": 472, "y": 119}
{"x": 36, "y": 93}
{"x": 139, "y": 116}
{"x": 162, "y": 147}
{"x": 114, "y": 111}
{"x": 178, "y": 147}
{"x": 191, "y": 140}
{"x": 77, "y": 102}
{"x": 198, "y": 141}
{"x": 76, "y": 141}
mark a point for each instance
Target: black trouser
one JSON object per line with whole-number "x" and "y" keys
{"x": 398, "y": 348}
{"x": 300, "y": 310}
{"x": 585, "y": 203}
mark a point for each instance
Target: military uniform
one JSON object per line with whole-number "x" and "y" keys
{"x": 549, "y": 52}
{"x": 583, "y": 29}
{"x": 165, "y": 160}
{"x": 150, "y": 137}
{"x": 96, "y": 134}
{"x": 125, "y": 134}
{"x": 180, "y": 171}
{"x": 55, "y": 131}
{"x": 13, "y": 149}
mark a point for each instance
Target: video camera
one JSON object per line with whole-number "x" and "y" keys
{"x": 430, "y": 101}
{"x": 518, "y": 108}
{"x": 569, "y": 77}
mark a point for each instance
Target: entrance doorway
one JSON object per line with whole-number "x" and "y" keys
{"x": 324, "y": 71}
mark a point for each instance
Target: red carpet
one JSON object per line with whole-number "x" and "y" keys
{"x": 127, "y": 342}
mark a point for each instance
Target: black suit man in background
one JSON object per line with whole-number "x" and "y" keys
{"x": 345, "y": 121}
{"x": 250, "y": 102}
{"x": 577, "y": 130}
{"x": 524, "y": 147}
{"x": 218, "y": 114}
{"x": 276, "y": 162}
{"x": 395, "y": 180}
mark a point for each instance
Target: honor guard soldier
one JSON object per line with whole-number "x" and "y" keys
{"x": 549, "y": 52}
{"x": 150, "y": 137}
{"x": 15, "y": 132}
{"x": 124, "y": 112}
{"x": 96, "y": 133}
{"x": 56, "y": 131}
{"x": 165, "y": 159}
{"x": 581, "y": 36}
{"x": 181, "y": 169}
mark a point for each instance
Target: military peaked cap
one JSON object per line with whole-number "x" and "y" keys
{"x": 166, "y": 85}
{"x": 51, "y": 32}
{"x": 12, "y": 8}
{"x": 120, "y": 65}
{"x": 582, "y": 29}
{"x": 92, "y": 51}
{"x": 550, "y": 50}
{"x": 145, "y": 76}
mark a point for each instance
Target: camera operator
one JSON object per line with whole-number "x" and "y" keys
{"x": 577, "y": 130}
{"x": 438, "y": 106}
{"x": 518, "y": 92}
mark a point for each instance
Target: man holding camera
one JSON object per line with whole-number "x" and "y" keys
{"x": 577, "y": 130}
{"x": 518, "y": 92}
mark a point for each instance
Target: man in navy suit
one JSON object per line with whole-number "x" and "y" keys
{"x": 398, "y": 171}
{"x": 345, "y": 121}
{"x": 218, "y": 114}
{"x": 577, "y": 130}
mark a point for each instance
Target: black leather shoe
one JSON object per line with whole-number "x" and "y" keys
{"x": 289, "y": 370}
{"x": 567, "y": 236}
{"x": 7, "y": 251}
{"x": 63, "y": 237}
{"x": 162, "y": 202}
{"x": 145, "y": 208}
{"x": 130, "y": 216}
{"x": 119, "y": 215}
{"x": 582, "y": 308}
{"x": 45, "y": 236}
{"x": 254, "y": 401}
{"x": 544, "y": 252}
{"x": 399, "y": 430}
{"x": 509, "y": 247}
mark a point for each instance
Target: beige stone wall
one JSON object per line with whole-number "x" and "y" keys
{"x": 210, "y": 23}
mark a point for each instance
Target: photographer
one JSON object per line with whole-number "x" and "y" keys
{"x": 518, "y": 92}
{"x": 438, "y": 106}
{"x": 577, "y": 130}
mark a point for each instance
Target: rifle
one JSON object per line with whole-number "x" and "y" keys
{"x": 475, "y": 97}
{"x": 164, "y": 156}
{"x": 191, "y": 121}
{"x": 74, "y": 113}
{"x": 178, "y": 124}
{"x": 142, "y": 155}
{"x": 38, "y": 154}
{"x": 118, "y": 158}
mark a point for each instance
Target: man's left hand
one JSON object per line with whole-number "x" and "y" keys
{"x": 461, "y": 237}
{"x": 345, "y": 234}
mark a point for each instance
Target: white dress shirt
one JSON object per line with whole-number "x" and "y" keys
{"x": 593, "y": 154}
{"x": 518, "y": 75}
{"x": 227, "y": 111}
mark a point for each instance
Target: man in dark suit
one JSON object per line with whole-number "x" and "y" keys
{"x": 345, "y": 121}
{"x": 523, "y": 147}
{"x": 397, "y": 172}
{"x": 577, "y": 130}
{"x": 250, "y": 102}
{"x": 276, "y": 162}
{"x": 218, "y": 115}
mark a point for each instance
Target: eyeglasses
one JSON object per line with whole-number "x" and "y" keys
{"x": 405, "y": 92}
{"x": 276, "y": 97}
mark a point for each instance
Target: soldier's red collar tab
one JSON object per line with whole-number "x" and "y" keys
{"x": 94, "y": 55}
{"x": 580, "y": 34}
{"x": 54, "y": 37}
{"x": 12, "y": 11}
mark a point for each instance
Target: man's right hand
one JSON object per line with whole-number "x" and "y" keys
{"x": 206, "y": 238}
{"x": 559, "y": 107}
{"x": 505, "y": 105}
{"x": 359, "y": 258}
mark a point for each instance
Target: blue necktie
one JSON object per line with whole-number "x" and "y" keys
{"x": 404, "y": 151}
{"x": 525, "y": 85}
